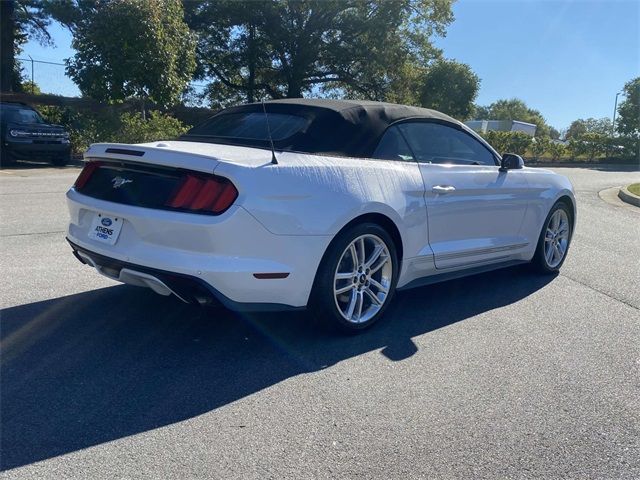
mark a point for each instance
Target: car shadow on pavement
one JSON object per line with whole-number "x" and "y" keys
{"x": 93, "y": 367}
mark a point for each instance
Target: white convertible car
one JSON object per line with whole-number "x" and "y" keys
{"x": 321, "y": 203}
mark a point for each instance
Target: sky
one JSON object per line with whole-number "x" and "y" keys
{"x": 565, "y": 58}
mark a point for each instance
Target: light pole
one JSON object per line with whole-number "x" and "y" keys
{"x": 613, "y": 124}
{"x": 615, "y": 110}
{"x": 32, "y": 84}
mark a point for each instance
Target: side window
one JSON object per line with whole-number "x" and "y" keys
{"x": 436, "y": 143}
{"x": 393, "y": 146}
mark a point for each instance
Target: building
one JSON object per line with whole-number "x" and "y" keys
{"x": 483, "y": 126}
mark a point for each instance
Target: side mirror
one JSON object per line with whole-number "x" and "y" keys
{"x": 511, "y": 161}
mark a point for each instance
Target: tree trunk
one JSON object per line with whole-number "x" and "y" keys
{"x": 7, "y": 60}
{"x": 294, "y": 88}
{"x": 251, "y": 86}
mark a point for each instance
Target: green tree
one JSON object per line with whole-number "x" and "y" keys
{"x": 628, "y": 121}
{"x": 20, "y": 20}
{"x": 597, "y": 144}
{"x": 516, "y": 109}
{"x": 287, "y": 48}
{"x": 581, "y": 126}
{"x": 450, "y": 87}
{"x": 30, "y": 87}
{"x": 404, "y": 84}
{"x": 481, "y": 112}
{"x": 131, "y": 48}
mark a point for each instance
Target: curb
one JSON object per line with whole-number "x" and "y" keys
{"x": 576, "y": 164}
{"x": 626, "y": 196}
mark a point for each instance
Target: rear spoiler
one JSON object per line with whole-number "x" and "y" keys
{"x": 157, "y": 153}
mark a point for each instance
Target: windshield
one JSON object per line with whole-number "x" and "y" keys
{"x": 21, "y": 115}
{"x": 251, "y": 126}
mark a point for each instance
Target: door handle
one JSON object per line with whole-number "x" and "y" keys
{"x": 442, "y": 189}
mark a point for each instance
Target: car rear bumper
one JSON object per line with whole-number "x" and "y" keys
{"x": 187, "y": 288}
{"x": 199, "y": 258}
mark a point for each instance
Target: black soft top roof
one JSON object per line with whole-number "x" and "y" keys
{"x": 358, "y": 110}
{"x": 340, "y": 127}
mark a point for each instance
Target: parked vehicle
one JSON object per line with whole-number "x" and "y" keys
{"x": 354, "y": 201}
{"x": 26, "y": 135}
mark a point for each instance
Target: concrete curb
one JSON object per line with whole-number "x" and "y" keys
{"x": 577, "y": 164}
{"x": 626, "y": 196}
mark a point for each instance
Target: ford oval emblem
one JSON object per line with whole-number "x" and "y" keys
{"x": 106, "y": 222}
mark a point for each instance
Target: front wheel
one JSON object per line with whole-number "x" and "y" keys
{"x": 61, "y": 160}
{"x": 7, "y": 158}
{"x": 357, "y": 278}
{"x": 554, "y": 239}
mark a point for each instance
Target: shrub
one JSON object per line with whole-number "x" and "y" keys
{"x": 590, "y": 144}
{"x": 110, "y": 125}
{"x": 511, "y": 142}
{"x": 158, "y": 126}
{"x": 556, "y": 150}
{"x": 539, "y": 145}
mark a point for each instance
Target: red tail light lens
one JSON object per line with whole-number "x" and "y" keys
{"x": 204, "y": 193}
{"x": 85, "y": 174}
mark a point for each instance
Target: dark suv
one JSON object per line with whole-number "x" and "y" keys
{"x": 26, "y": 135}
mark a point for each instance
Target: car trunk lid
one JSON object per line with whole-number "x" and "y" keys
{"x": 201, "y": 157}
{"x": 175, "y": 176}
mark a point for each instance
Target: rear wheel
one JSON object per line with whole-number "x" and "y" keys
{"x": 554, "y": 239}
{"x": 357, "y": 278}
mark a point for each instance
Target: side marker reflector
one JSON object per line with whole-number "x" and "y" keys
{"x": 270, "y": 276}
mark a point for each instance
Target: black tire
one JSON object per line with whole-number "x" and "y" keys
{"x": 61, "y": 160}
{"x": 7, "y": 158}
{"x": 323, "y": 303}
{"x": 539, "y": 262}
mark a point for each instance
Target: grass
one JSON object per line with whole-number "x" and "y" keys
{"x": 634, "y": 188}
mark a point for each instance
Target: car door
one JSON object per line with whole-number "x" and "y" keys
{"x": 475, "y": 212}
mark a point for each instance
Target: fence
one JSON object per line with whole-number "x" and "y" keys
{"x": 49, "y": 77}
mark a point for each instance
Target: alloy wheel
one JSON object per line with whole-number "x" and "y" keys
{"x": 556, "y": 238}
{"x": 362, "y": 279}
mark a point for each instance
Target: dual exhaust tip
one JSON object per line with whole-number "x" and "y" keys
{"x": 139, "y": 279}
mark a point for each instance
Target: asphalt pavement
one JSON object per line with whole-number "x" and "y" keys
{"x": 501, "y": 375}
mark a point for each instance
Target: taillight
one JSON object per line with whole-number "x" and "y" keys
{"x": 204, "y": 193}
{"x": 85, "y": 174}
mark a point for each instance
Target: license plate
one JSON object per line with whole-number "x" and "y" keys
{"x": 105, "y": 228}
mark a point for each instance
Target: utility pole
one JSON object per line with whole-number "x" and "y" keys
{"x": 32, "y": 79}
